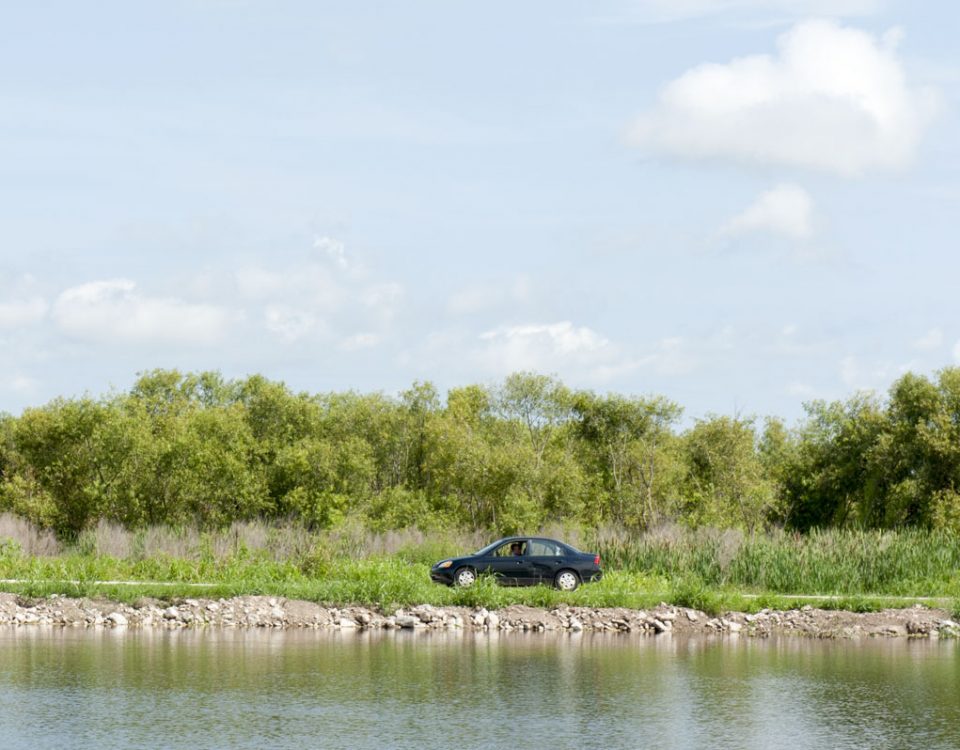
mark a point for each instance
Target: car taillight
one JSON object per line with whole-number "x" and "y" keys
{"x": 596, "y": 559}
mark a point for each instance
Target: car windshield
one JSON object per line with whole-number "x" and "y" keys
{"x": 563, "y": 548}
{"x": 488, "y": 549}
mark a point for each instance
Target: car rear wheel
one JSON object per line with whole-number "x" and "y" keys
{"x": 566, "y": 580}
{"x": 465, "y": 577}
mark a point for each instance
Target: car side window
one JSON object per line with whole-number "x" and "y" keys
{"x": 545, "y": 549}
{"x": 511, "y": 549}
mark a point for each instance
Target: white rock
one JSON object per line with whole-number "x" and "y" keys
{"x": 575, "y": 625}
{"x": 171, "y": 613}
{"x": 346, "y": 623}
{"x": 492, "y": 621}
{"x": 117, "y": 620}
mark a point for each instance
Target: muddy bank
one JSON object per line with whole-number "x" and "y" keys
{"x": 275, "y": 612}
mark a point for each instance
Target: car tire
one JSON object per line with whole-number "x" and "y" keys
{"x": 566, "y": 580}
{"x": 464, "y": 577}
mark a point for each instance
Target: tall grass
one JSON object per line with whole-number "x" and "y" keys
{"x": 702, "y": 567}
{"x": 908, "y": 562}
{"x": 27, "y": 537}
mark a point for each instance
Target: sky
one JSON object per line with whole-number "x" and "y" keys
{"x": 742, "y": 205}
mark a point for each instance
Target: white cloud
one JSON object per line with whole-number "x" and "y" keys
{"x": 931, "y": 340}
{"x": 327, "y": 296}
{"x": 784, "y": 210}
{"x": 792, "y": 341}
{"x": 872, "y": 377}
{"x": 834, "y": 99}
{"x": 544, "y": 347}
{"x": 258, "y": 283}
{"x": 359, "y": 341}
{"x": 301, "y": 282}
{"x": 22, "y": 312}
{"x": 653, "y": 11}
{"x": 800, "y": 390}
{"x": 306, "y": 278}
{"x": 673, "y": 355}
{"x": 288, "y": 322}
{"x": 114, "y": 310}
{"x": 725, "y": 338}
{"x": 580, "y": 351}
{"x": 483, "y": 297}
{"x": 850, "y": 371}
{"x": 382, "y": 296}
{"x": 335, "y": 250}
{"x": 21, "y": 384}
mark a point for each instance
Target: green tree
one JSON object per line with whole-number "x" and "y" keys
{"x": 831, "y": 474}
{"x": 629, "y": 446}
{"x": 725, "y": 483}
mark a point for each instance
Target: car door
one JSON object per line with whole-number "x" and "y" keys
{"x": 512, "y": 569}
{"x": 546, "y": 558}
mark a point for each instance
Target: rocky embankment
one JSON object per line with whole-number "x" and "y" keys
{"x": 273, "y": 612}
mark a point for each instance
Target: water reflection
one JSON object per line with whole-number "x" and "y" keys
{"x": 237, "y": 689}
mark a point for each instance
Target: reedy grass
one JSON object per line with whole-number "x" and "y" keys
{"x": 836, "y": 562}
{"x": 386, "y": 583}
{"x": 707, "y": 569}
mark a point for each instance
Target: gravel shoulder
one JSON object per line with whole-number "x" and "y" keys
{"x": 274, "y": 612}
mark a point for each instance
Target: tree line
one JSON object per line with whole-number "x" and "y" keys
{"x": 181, "y": 448}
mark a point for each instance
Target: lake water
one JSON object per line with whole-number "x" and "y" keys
{"x": 72, "y": 688}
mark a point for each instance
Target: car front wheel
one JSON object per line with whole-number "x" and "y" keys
{"x": 465, "y": 577}
{"x": 566, "y": 580}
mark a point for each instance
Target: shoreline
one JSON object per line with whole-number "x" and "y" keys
{"x": 252, "y": 612}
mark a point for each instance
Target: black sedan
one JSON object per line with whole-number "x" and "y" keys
{"x": 522, "y": 561}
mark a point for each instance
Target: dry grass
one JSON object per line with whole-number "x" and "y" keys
{"x": 278, "y": 542}
{"x": 164, "y": 541}
{"x": 30, "y": 539}
{"x": 108, "y": 539}
{"x": 868, "y": 563}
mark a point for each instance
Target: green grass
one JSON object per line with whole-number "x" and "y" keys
{"x": 862, "y": 563}
{"x": 386, "y": 583}
{"x": 710, "y": 570}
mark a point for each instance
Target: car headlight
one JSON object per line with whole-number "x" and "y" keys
{"x": 445, "y": 564}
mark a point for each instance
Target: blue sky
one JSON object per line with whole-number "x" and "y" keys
{"x": 741, "y": 205}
